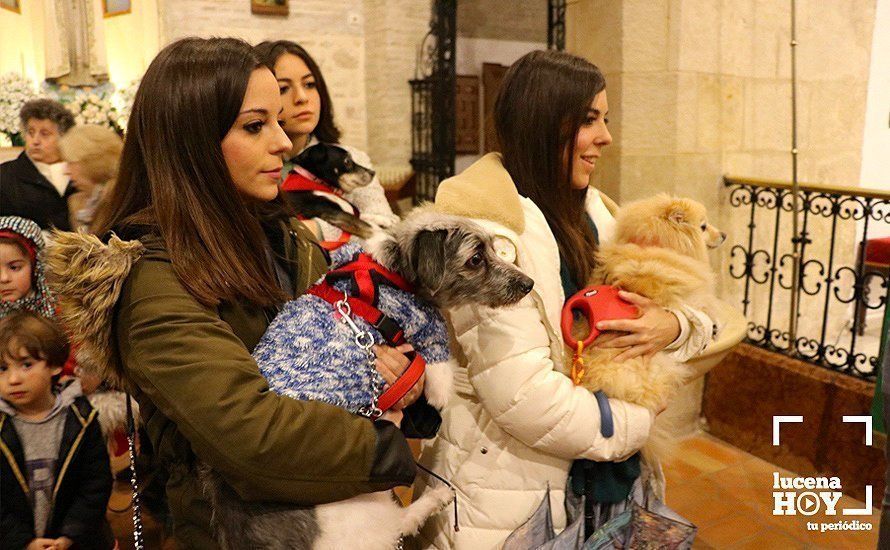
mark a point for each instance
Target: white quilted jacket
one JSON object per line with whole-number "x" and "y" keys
{"x": 516, "y": 421}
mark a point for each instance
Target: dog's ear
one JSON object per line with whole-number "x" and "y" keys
{"x": 313, "y": 157}
{"x": 427, "y": 258}
{"x": 676, "y": 214}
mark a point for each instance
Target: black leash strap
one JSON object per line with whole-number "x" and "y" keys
{"x": 137, "y": 509}
{"x": 450, "y": 486}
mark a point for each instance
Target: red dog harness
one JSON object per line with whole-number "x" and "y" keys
{"x": 300, "y": 179}
{"x": 596, "y": 303}
{"x": 365, "y": 276}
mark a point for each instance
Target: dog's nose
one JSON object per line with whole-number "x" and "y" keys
{"x": 371, "y": 174}
{"x": 526, "y": 285}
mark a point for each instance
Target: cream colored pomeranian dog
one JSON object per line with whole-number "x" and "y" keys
{"x": 660, "y": 251}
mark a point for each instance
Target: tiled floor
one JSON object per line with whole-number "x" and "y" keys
{"x": 727, "y": 493}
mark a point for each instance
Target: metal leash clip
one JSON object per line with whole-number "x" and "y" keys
{"x": 363, "y": 338}
{"x": 372, "y": 412}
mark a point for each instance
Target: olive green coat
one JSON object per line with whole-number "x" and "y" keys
{"x": 202, "y": 396}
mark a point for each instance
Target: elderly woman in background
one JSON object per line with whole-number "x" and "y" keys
{"x": 35, "y": 186}
{"x": 93, "y": 155}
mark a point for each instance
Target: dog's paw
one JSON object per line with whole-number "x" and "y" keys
{"x": 439, "y": 383}
{"x": 443, "y": 495}
{"x": 382, "y": 221}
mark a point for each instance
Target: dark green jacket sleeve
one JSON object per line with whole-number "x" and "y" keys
{"x": 191, "y": 366}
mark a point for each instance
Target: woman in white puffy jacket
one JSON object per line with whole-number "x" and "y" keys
{"x": 516, "y": 422}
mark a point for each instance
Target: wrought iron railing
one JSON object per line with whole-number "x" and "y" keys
{"x": 432, "y": 102}
{"x": 837, "y": 288}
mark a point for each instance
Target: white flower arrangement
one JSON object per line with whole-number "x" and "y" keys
{"x": 123, "y": 101}
{"x": 93, "y": 107}
{"x": 15, "y": 91}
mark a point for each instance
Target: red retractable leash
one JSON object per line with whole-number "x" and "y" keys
{"x": 300, "y": 179}
{"x": 596, "y": 303}
{"x": 365, "y": 276}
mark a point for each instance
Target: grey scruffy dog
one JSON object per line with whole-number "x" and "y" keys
{"x": 450, "y": 261}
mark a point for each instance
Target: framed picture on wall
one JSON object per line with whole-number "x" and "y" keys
{"x": 11, "y": 5}
{"x": 115, "y": 7}
{"x": 269, "y": 7}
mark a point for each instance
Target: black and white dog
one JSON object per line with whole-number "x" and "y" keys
{"x": 307, "y": 354}
{"x": 322, "y": 174}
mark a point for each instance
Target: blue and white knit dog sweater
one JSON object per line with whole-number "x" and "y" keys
{"x": 308, "y": 353}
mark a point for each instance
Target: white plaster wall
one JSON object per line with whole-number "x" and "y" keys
{"x": 132, "y": 40}
{"x": 471, "y": 53}
{"x": 876, "y": 140}
{"x": 22, "y": 46}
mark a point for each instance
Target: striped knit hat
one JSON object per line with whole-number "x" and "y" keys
{"x": 28, "y": 235}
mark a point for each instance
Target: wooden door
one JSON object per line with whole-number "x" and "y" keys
{"x": 492, "y": 75}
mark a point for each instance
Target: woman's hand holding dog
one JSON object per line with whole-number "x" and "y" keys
{"x": 648, "y": 334}
{"x": 391, "y": 363}
{"x": 393, "y": 416}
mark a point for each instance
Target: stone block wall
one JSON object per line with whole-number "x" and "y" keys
{"x": 711, "y": 79}
{"x": 701, "y": 88}
{"x": 332, "y": 31}
{"x": 527, "y": 20}
{"x": 394, "y": 30}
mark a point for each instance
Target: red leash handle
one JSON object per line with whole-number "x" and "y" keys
{"x": 403, "y": 384}
{"x": 596, "y": 303}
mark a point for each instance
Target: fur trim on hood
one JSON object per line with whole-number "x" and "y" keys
{"x": 87, "y": 276}
{"x": 112, "y": 407}
{"x": 483, "y": 191}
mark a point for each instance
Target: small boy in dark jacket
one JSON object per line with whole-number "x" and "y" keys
{"x": 55, "y": 470}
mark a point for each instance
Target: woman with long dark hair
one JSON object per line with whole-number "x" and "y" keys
{"x": 308, "y": 118}
{"x": 517, "y": 423}
{"x": 209, "y": 252}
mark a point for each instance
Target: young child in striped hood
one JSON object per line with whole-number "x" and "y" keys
{"x": 22, "y": 283}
